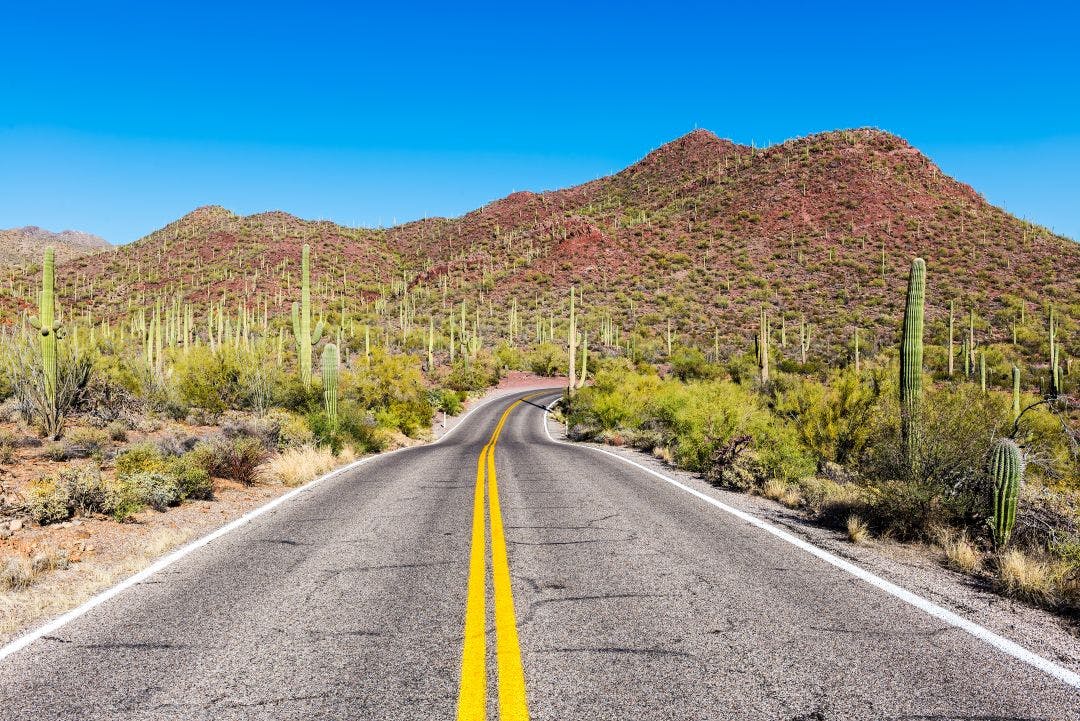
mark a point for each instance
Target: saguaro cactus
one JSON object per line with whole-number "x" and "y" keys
{"x": 1016, "y": 392}
{"x": 1055, "y": 371}
{"x": 572, "y": 343}
{"x": 763, "y": 345}
{"x": 911, "y": 355}
{"x": 952, "y": 353}
{"x": 330, "y": 383}
{"x": 584, "y": 359}
{"x": 47, "y": 324}
{"x": 306, "y": 338}
{"x": 1005, "y": 471}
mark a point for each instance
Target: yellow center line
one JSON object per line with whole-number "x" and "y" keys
{"x": 472, "y": 694}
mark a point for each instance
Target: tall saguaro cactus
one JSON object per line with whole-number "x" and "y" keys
{"x": 1006, "y": 471}
{"x": 1015, "y": 393}
{"x": 301, "y": 318}
{"x": 330, "y": 383}
{"x": 1055, "y": 370}
{"x": 46, "y": 323}
{"x": 572, "y": 343}
{"x": 763, "y": 345}
{"x": 911, "y": 355}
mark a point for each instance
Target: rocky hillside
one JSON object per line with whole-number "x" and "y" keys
{"x": 699, "y": 234}
{"x": 19, "y": 246}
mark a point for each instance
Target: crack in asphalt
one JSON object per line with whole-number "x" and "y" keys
{"x": 617, "y": 650}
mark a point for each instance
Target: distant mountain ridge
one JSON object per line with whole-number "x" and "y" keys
{"x": 24, "y": 245}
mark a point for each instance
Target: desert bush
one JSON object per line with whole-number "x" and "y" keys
{"x": 73, "y": 374}
{"x": 157, "y": 490}
{"x": 238, "y": 459}
{"x": 207, "y": 379}
{"x": 74, "y": 490}
{"x": 192, "y": 478}
{"x": 85, "y": 442}
{"x": 117, "y": 431}
{"x": 446, "y": 400}
{"x": 293, "y": 429}
{"x": 16, "y": 573}
{"x": 473, "y": 374}
{"x": 690, "y": 364}
{"x": 718, "y": 427}
{"x": 547, "y": 359}
{"x": 140, "y": 458}
{"x": 356, "y": 427}
{"x": 393, "y": 388}
{"x": 508, "y": 357}
{"x": 831, "y": 418}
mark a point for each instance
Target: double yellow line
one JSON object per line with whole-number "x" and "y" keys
{"x": 472, "y": 694}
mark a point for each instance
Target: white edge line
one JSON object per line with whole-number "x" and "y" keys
{"x": 165, "y": 561}
{"x": 943, "y": 614}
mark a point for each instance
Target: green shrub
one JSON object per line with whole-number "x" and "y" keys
{"x": 208, "y": 380}
{"x": 832, "y": 418}
{"x": 47, "y": 501}
{"x": 476, "y": 374}
{"x": 157, "y": 490}
{"x": 192, "y": 478}
{"x": 393, "y": 388}
{"x": 356, "y": 427}
{"x": 293, "y": 429}
{"x": 547, "y": 359}
{"x": 140, "y": 458}
{"x": 448, "y": 401}
{"x": 690, "y": 364}
{"x": 74, "y": 490}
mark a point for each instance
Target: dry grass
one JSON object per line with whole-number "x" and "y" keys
{"x": 663, "y": 453}
{"x": 298, "y": 466}
{"x": 857, "y": 530}
{"x": 1028, "y": 577}
{"x": 783, "y": 492}
{"x": 960, "y": 553}
{"x": 60, "y": 592}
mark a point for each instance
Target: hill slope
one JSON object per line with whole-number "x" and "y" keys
{"x": 699, "y": 233}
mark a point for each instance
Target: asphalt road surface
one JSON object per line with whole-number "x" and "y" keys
{"x": 573, "y": 587}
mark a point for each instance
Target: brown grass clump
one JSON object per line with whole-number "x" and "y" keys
{"x": 1028, "y": 577}
{"x": 297, "y": 466}
{"x": 783, "y": 492}
{"x": 960, "y": 553}
{"x": 857, "y": 530}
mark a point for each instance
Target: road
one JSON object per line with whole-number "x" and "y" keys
{"x": 587, "y": 589}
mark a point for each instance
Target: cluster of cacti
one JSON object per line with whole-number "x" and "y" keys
{"x": 911, "y": 354}
{"x": 1006, "y": 472}
{"x": 804, "y": 339}
{"x": 306, "y": 338}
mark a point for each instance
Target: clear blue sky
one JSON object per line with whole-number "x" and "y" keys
{"x": 116, "y": 118}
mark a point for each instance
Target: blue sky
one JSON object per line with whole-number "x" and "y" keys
{"x": 116, "y": 118}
